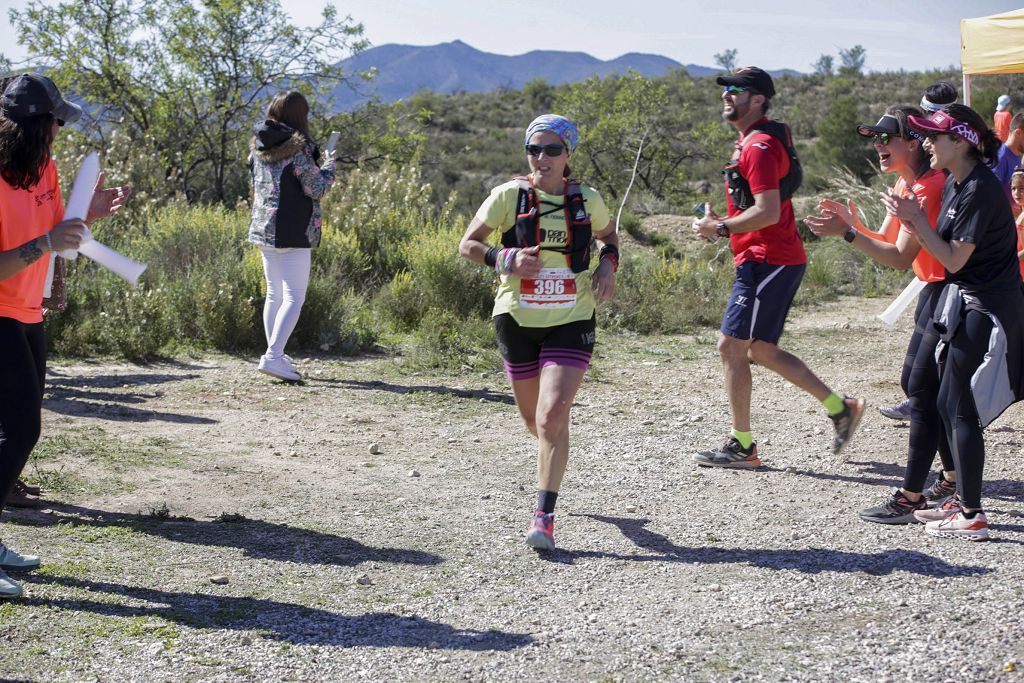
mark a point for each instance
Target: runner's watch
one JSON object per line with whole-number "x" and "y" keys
{"x": 850, "y": 234}
{"x": 721, "y": 229}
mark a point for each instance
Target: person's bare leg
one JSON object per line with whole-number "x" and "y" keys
{"x": 789, "y": 367}
{"x": 558, "y": 387}
{"x": 526, "y": 392}
{"x": 738, "y": 380}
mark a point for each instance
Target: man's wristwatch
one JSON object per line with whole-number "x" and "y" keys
{"x": 850, "y": 234}
{"x": 721, "y": 229}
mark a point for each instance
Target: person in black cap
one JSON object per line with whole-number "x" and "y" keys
{"x": 901, "y": 151}
{"x": 31, "y": 226}
{"x": 770, "y": 261}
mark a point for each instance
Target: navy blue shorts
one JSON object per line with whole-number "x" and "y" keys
{"x": 760, "y": 301}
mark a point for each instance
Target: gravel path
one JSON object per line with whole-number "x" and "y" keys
{"x": 332, "y": 563}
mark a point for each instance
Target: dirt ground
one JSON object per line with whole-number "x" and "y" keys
{"x": 367, "y": 525}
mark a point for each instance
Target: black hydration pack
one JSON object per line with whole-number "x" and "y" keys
{"x": 528, "y": 233}
{"x": 739, "y": 188}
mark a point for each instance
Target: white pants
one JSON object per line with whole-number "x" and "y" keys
{"x": 287, "y": 273}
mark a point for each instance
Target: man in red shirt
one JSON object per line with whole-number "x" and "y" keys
{"x": 770, "y": 262}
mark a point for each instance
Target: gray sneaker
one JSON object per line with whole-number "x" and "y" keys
{"x": 939, "y": 492}
{"x": 12, "y": 561}
{"x": 900, "y": 411}
{"x": 8, "y": 587}
{"x": 730, "y": 455}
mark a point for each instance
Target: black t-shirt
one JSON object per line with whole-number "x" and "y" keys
{"x": 976, "y": 211}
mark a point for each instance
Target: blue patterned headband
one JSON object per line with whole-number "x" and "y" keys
{"x": 559, "y": 125}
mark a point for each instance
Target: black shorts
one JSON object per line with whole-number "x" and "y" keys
{"x": 525, "y": 350}
{"x": 760, "y": 301}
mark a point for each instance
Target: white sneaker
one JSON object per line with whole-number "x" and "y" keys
{"x": 12, "y": 561}
{"x": 959, "y": 526}
{"x": 8, "y": 587}
{"x": 279, "y": 368}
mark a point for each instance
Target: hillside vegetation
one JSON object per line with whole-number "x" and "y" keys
{"x": 172, "y": 118}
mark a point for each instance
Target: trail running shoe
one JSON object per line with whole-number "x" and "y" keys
{"x": 957, "y": 525}
{"x": 940, "y": 491}
{"x": 900, "y": 411}
{"x": 846, "y": 423}
{"x": 12, "y": 561}
{"x": 541, "y": 535}
{"x": 897, "y": 509}
{"x": 732, "y": 455}
{"x": 19, "y": 497}
{"x": 9, "y": 588}
{"x": 938, "y": 514}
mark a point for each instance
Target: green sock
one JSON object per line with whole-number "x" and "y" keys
{"x": 834, "y": 404}
{"x": 746, "y": 439}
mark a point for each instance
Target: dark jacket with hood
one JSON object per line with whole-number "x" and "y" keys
{"x": 287, "y": 187}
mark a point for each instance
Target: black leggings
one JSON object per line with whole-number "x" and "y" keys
{"x": 956, "y": 404}
{"x": 920, "y": 382}
{"x": 22, "y": 373}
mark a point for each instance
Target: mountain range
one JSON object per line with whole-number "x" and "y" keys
{"x": 402, "y": 70}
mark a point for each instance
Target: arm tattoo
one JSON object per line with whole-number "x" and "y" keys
{"x": 29, "y": 252}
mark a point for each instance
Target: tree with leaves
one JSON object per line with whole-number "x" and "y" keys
{"x": 627, "y": 121}
{"x": 185, "y": 80}
{"x": 824, "y": 66}
{"x": 852, "y": 61}
{"x": 727, "y": 60}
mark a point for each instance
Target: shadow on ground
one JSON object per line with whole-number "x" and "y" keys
{"x": 280, "y": 621}
{"x": 378, "y": 385}
{"x": 889, "y": 475}
{"x": 256, "y": 538}
{"x": 805, "y": 560}
{"x": 78, "y": 396}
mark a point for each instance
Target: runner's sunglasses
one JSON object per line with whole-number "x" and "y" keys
{"x": 549, "y": 150}
{"x": 734, "y": 89}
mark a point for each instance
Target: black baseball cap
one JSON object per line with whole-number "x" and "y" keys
{"x": 888, "y": 124}
{"x": 31, "y": 95}
{"x": 750, "y": 77}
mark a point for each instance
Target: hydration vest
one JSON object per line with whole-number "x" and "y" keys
{"x": 739, "y": 187}
{"x": 528, "y": 233}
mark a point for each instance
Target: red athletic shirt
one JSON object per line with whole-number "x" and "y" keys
{"x": 763, "y": 161}
{"x": 25, "y": 215}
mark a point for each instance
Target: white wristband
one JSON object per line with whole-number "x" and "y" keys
{"x": 49, "y": 242}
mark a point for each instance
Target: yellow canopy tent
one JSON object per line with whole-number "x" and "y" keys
{"x": 991, "y": 45}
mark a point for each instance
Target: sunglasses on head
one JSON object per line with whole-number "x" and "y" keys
{"x": 549, "y": 150}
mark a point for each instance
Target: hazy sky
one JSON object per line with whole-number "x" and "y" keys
{"x": 912, "y": 35}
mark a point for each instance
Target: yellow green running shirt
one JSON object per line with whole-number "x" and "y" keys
{"x": 558, "y": 296}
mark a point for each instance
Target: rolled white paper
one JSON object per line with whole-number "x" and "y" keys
{"x": 48, "y": 287}
{"x": 81, "y": 194}
{"x": 890, "y": 315}
{"x": 332, "y": 141}
{"x": 117, "y": 263}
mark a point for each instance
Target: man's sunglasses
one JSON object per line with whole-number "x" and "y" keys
{"x": 549, "y": 150}
{"x": 736, "y": 90}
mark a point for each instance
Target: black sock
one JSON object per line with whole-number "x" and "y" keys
{"x": 546, "y": 501}
{"x": 971, "y": 514}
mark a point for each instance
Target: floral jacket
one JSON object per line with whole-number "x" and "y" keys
{"x": 287, "y": 187}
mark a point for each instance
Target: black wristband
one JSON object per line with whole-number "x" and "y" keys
{"x": 610, "y": 249}
{"x": 850, "y": 235}
{"x": 491, "y": 257}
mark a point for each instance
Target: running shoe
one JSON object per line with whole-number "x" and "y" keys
{"x": 938, "y": 514}
{"x": 541, "y": 535}
{"x": 9, "y": 588}
{"x": 278, "y": 367}
{"x": 846, "y": 423}
{"x": 897, "y": 509}
{"x": 12, "y": 561}
{"x": 732, "y": 454}
{"x": 900, "y": 411}
{"x": 940, "y": 491}
{"x": 957, "y": 525}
